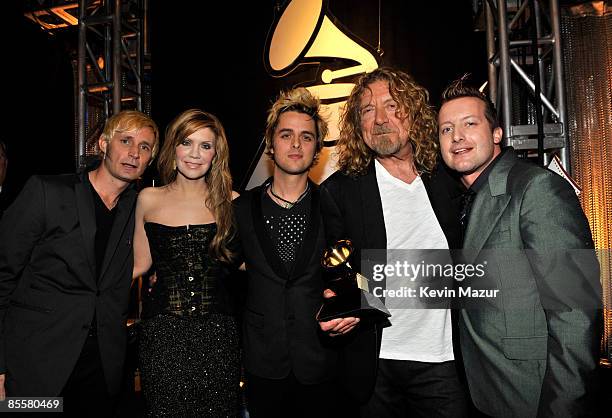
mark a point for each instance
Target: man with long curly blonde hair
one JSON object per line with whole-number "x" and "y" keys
{"x": 391, "y": 193}
{"x": 358, "y": 147}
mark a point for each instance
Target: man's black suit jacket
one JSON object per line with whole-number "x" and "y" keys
{"x": 6, "y": 197}
{"x": 49, "y": 289}
{"x": 352, "y": 208}
{"x": 280, "y": 331}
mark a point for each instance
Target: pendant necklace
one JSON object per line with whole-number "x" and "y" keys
{"x": 287, "y": 203}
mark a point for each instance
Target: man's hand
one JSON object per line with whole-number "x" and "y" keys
{"x": 328, "y": 294}
{"x": 338, "y": 326}
{"x": 2, "y": 391}
{"x": 152, "y": 281}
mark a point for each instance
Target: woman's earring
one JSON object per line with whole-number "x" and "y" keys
{"x": 174, "y": 165}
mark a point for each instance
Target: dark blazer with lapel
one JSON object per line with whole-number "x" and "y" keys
{"x": 6, "y": 197}
{"x": 48, "y": 286}
{"x": 352, "y": 208}
{"x": 280, "y": 330}
{"x": 3, "y": 203}
{"x": 532, "y": 351}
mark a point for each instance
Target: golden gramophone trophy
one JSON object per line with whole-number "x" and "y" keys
{"x": 352, "y": 295}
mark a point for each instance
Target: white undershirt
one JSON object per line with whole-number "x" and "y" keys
{"x": 410, "y": 222}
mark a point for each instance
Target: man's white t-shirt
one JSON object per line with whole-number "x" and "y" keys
{"x": 410, "y": 222}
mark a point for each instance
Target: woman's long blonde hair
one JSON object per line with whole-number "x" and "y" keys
{"x": 354, "y": 155}
{"x": 218, "y": 177}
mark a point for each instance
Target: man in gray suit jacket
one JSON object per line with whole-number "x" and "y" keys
{"x": 532, "y": 350}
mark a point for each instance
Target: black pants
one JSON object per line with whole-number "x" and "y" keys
{"x": 271, "y": 398}
{"x": 416, "y": 389}
{"x": 86, "y": 393}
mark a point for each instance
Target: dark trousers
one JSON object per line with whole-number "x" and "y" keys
{"x": 271, "y": 398}
{"x": 416, "y": 389}
{"x": 86, "y": 393}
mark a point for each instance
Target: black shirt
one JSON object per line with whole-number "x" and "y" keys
{"x": 482, "y": 178}
{"x": 104, "y": 225}
{"x": 286, "y": 227}
{"x": 468, "y": 196}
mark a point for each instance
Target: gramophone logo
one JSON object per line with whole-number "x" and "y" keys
{"x": 306, "y": 33}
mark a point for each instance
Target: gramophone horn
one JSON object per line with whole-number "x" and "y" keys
{"x": 338, "y": 254}
{"x": 304, "y": 33}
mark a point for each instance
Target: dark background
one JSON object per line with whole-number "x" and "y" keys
{"x": 211, "y": 55}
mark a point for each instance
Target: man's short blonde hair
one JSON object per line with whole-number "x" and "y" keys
{"x": 130, "y": 120}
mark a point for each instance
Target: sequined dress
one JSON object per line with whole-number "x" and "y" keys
{"x": 188, "y": 346}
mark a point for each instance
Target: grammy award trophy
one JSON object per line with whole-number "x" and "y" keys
{"x": 352, "y": 296}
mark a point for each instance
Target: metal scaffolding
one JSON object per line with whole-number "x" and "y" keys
{"x": 526, "y": 75}
{"x": 112, "y": 61}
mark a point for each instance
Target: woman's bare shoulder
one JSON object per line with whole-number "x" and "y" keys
{"x": 152, "y": 195}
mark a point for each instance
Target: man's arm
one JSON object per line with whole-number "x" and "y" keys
{"x": 331, "y": 213}
{"x": 21, "y": 227}
{"x": 557, "y": 239}
{"x": 333, "y": 222}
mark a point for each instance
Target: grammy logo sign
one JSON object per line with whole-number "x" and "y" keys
{"x": 305, "y": 34}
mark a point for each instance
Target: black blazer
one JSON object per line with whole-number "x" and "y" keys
{"x": 280, "y": 331}
{"x": 48, "y": 286}
{"x": 6, "y": 197}
{"x": 352, "y": 208}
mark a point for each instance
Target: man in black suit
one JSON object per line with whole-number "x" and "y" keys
{"x": 65, "y": 272}
{"x": 289, "y": 367}
{"x": 391, "y": 193}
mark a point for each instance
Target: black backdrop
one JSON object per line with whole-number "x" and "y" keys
{"x": 210, "y": 55}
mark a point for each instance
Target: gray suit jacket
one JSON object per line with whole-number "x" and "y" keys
{"x": 532, "y": 350}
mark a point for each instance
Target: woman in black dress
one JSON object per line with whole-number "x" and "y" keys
{"x": 188, "y": 347}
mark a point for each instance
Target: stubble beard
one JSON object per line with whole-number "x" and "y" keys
{"x": 108, "y": 167}
{"x": 384, "y": 146}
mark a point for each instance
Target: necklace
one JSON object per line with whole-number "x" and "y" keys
{"x": 287, "y": 203}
